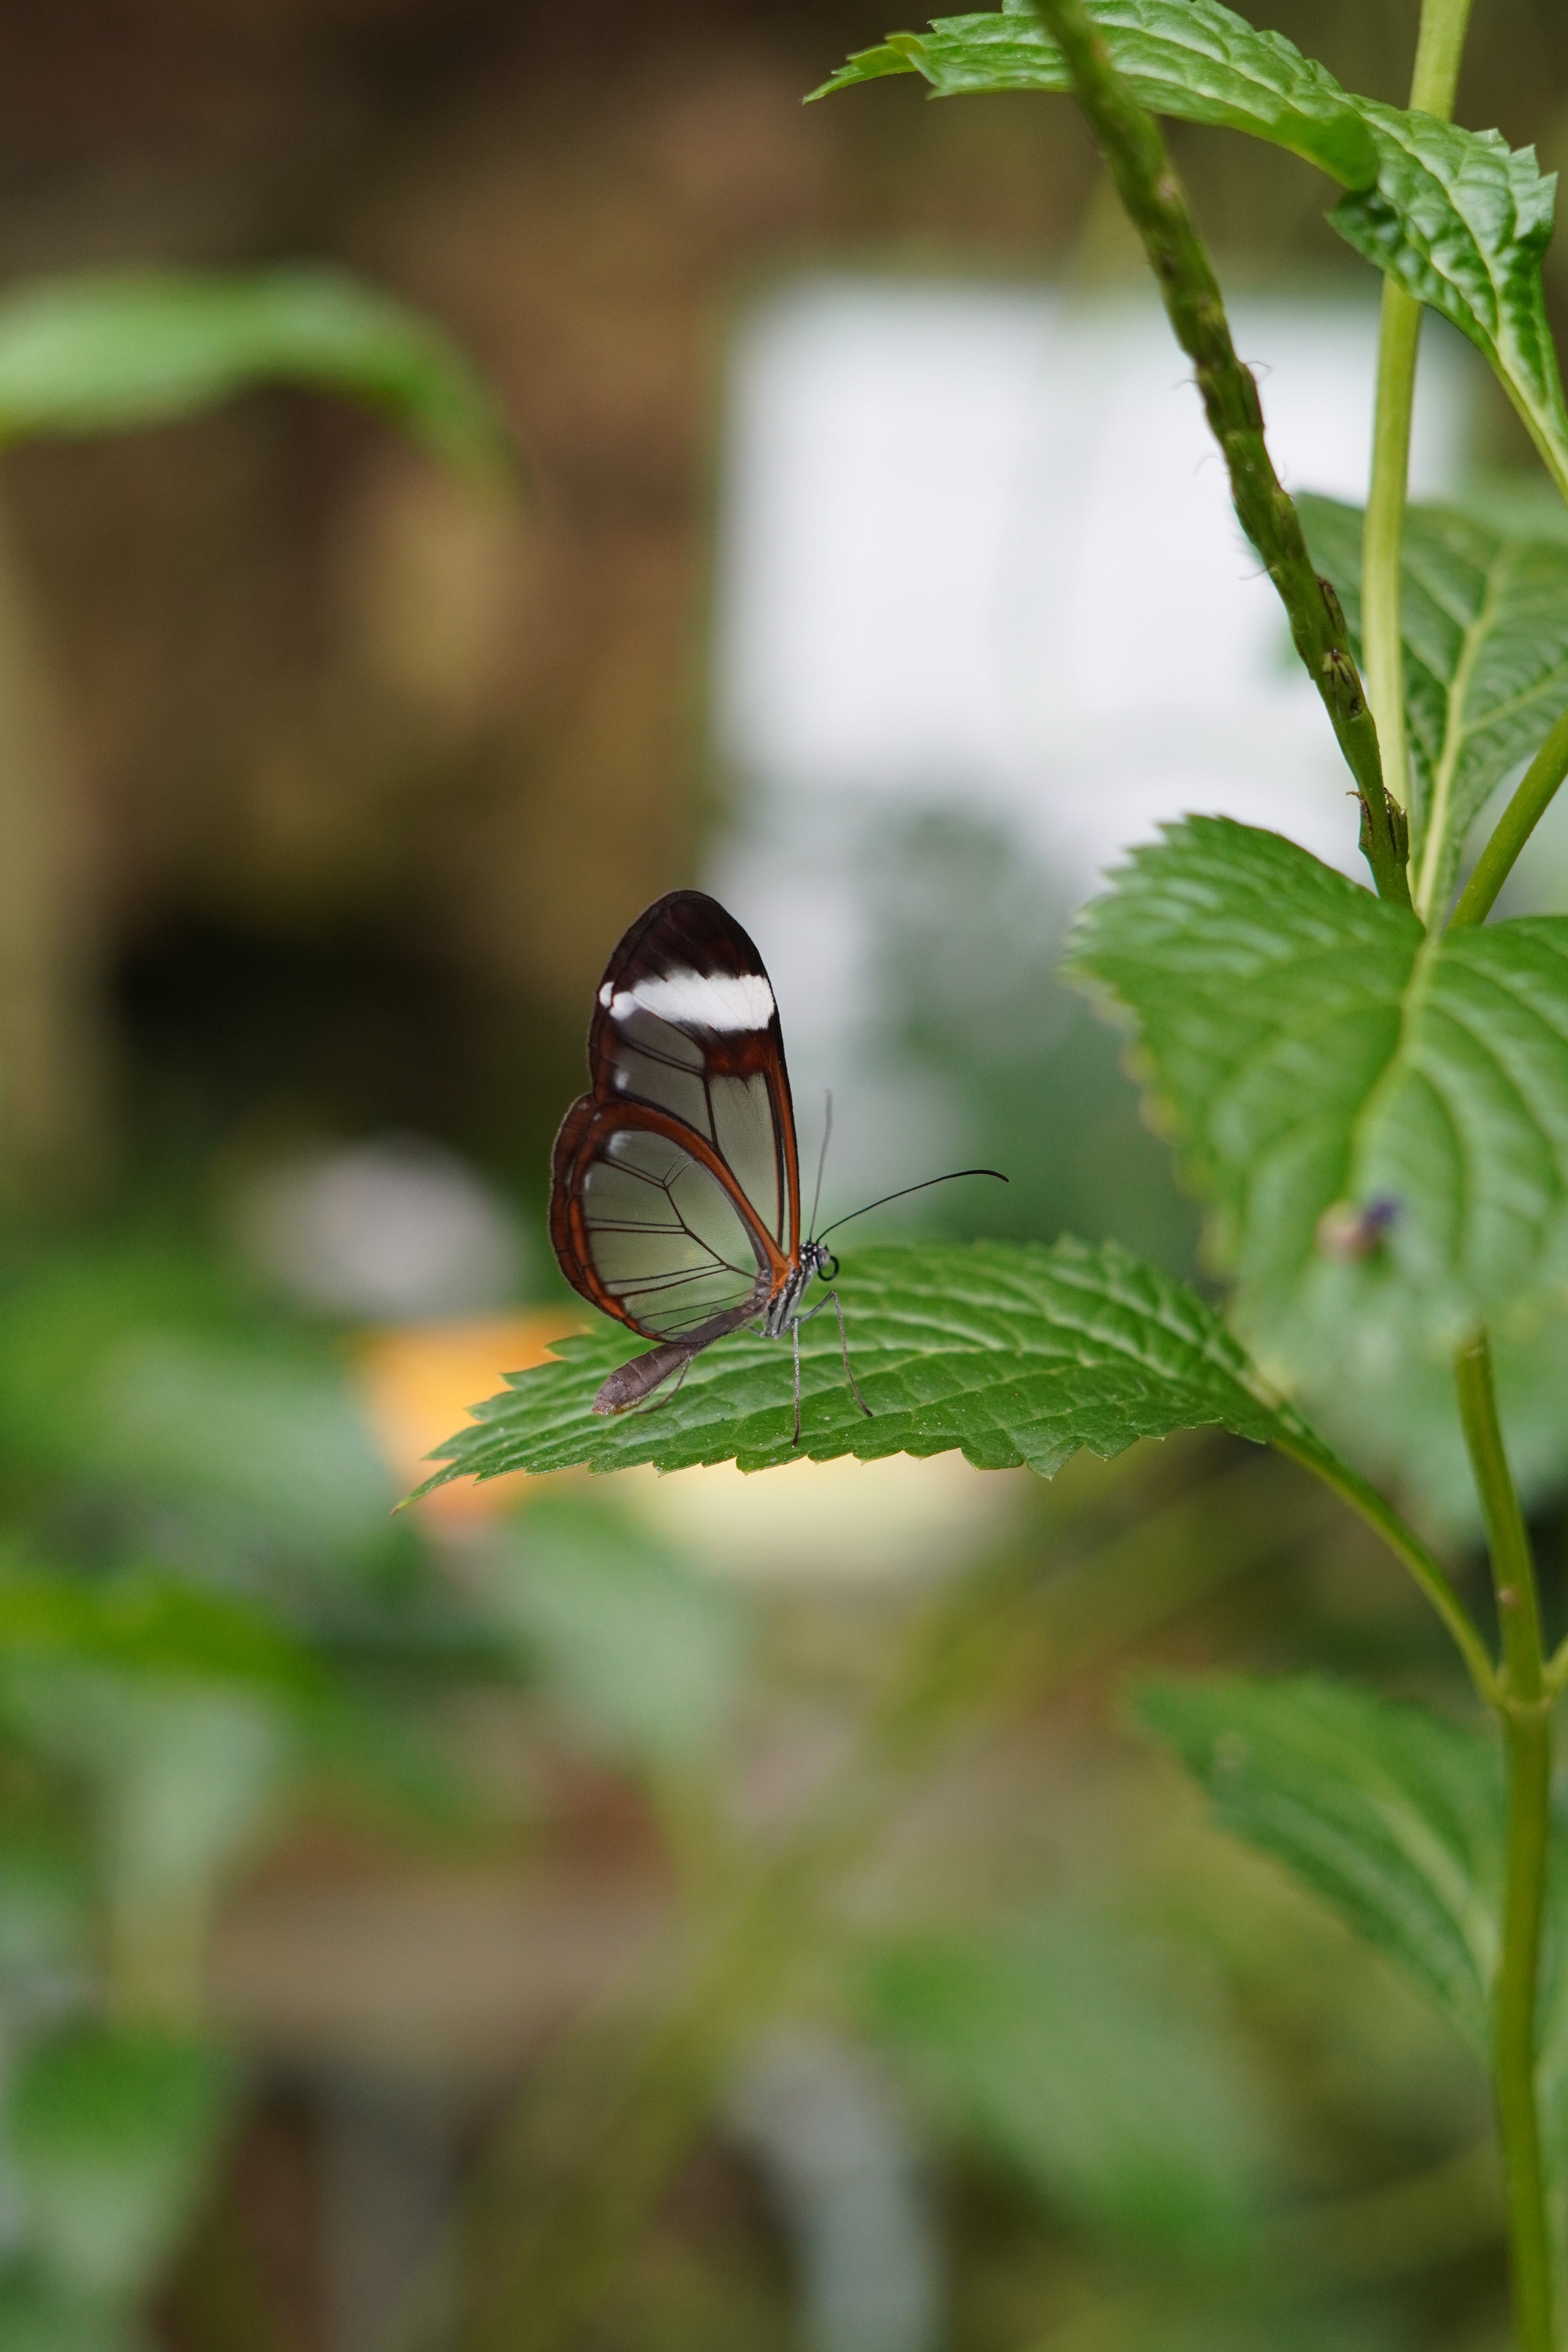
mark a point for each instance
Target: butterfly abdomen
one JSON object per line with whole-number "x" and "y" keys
{"x": 631, "y": 1382}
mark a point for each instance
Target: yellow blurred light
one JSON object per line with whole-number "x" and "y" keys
{"x": 418, "y": 1380}
{"x": 831, "y": 1522}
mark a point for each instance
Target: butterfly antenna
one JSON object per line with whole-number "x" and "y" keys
{"x": 821, "y": 1159}
{"x": 951, "y": 1178}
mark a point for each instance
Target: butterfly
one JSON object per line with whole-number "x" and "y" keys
{"x": 675, "y": 1201}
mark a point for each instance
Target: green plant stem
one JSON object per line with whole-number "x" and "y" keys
{"x": 1383, "y": 533}
{"x": 1407, "y": 1547}
{"x": 1433, "y": 86}
{"x": 1524, "y": 1709}
{"x": 1524, "y": 812}
{"x": 1440, "y": 47}
{"x": 1155, "y": 203}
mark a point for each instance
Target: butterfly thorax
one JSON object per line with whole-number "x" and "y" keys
{"x": 784, "y": 1304}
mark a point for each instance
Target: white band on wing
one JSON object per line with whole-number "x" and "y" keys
{"x": 697, "y": 1000}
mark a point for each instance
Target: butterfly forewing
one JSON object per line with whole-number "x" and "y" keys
{"x": 676, "y": 1202}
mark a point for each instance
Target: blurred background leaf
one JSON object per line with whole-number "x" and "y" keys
{"x": 648, "y": 1653}
{"x": 1072, "y": 2056}
{"x": 142, "y": 347}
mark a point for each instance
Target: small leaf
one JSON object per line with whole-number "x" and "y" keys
{"x": 1186, "y": 57}
{"x": 1065, "y": 2053}
{"x": 1010, "y": 1351}
{"x": 1394, "y": 1816}
{"x": 1485, "y": 621}
{"x": 1379, "y": 1120}
{"x": 101, "y": 355}
{"x": 646, "y": 1649}
{"x": 1461, "y": 222}
{"x": 111, "y": 2133}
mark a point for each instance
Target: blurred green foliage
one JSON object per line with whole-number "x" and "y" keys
{"x": 644, "y": 1652}
{"x": 140, "y": 347}
{"x": 1076, "y": 2058}
{"x": 1124, "y": 2060}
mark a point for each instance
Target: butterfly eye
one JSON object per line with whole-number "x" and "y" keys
{"x": 827, "y": 1266}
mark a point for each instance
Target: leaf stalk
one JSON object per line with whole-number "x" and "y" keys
{"x": 1153, "y": 198}
{"x": 1524, "y": 1709}
{"x": 1532, "y": 797}
{"x": 1427, "y": 1571}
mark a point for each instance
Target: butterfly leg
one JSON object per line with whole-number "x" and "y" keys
{"x": 832, "y": 1301}
{"x": 844, "y": 1351}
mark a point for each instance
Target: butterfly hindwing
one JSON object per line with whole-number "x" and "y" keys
{"x": 676, "y": 1202}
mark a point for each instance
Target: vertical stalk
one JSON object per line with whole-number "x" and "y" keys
{"x": 1524, "y": 1709}
{"x": 1383, "y": 533}
{"x": 1431, "y": 89}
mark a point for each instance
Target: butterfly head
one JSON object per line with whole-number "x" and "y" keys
{"x": 816, "y": 1258}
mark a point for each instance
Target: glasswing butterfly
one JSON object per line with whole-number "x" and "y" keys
{"x": 675, "y": 1186}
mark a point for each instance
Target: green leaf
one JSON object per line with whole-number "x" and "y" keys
{"x": 1462, "y": 222}
{"x": 1392, "y": 1815}
{"x": 649, "y": 1652}
{"x": 1010, "y": 1351}
{"x": 1485, "y": 621}
{"x": 1072, "y": 2056}
{"x": 1186, "y": 57}
{"x": 1314, "y": 1052}
{"x": 111, "y": 2133}
{"x": 103, "y": 355}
